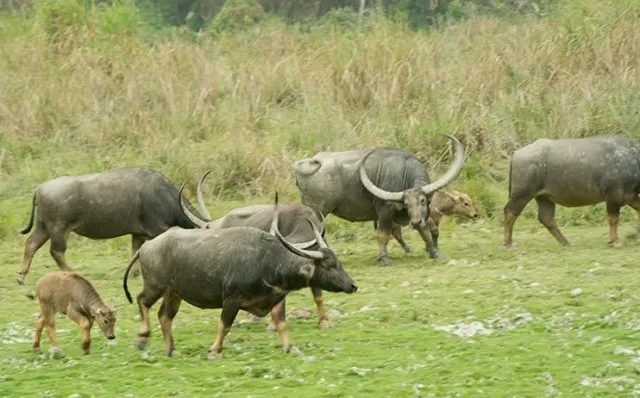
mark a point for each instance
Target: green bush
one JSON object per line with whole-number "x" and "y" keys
{"x": 237, "y": 15}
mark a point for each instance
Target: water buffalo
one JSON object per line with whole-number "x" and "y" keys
{"x": 573, "y": 172}
{"x": 293, "y": 225}
{"x": 387, "y": 185}
{"x": 443, "y": 203}
{"x": 74, "y": 296}
{"x": 238, "y": 268}
{"x": 118, "y": 202}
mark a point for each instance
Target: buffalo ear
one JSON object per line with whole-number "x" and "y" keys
{"x": 307, "y": 270}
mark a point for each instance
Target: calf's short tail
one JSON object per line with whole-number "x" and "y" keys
{"x": 126, "y": 276}
{"x": 33, "y": 209}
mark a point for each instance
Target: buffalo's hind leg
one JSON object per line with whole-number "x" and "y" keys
{"x": 59, "y": 236}
{"x": 147, "y": 298}
{"x": 547, "y": 216}
{"x": 512, "y": 210}
{"x": 166, "y": 313}
{"x": 635, "y": 204}
{"x": 34, "y": 242}
{"x": 613, "y": 213}
{"x": 227, "y": 316}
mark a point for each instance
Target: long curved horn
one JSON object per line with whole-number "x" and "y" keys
{"x": 203, "y": 208}
{"x": 319, "y": 238}
{"x": 454, "y": 170}
{"x": 311, "y": 254}
{"x": 323, "y": 225}
{"x": 375, "y": 191}
{"x": 185, "y": 210}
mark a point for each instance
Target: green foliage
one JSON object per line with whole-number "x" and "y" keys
{"x": 237, "y": 15}
{"x": 64, "y": 22}
{"x": 120, "y": 18}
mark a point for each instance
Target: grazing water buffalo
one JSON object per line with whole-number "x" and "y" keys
{"x": 72, "y": 295}
{"x": 118, "y": 202}
{"x": 443, "y": 203}
{"x": 574, "y": 172}
{"x": 239, "y": 268}
{"x": 293, "y": 225}
{"x": 387, "y": 185}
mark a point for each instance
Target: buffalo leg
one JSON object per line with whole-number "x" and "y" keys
{"x": 396, "y": 231}
{"x": 166, "y": 313}
{"x": 85, "y": 324}
{"x": 59, "y": 247}
{"x": 512, "y": 210}
{"x": 227, "y": 316}
{"x": 40, "y": 323}
{"x": 136, "y": 243}
{"x": 283, "y": 331}
{"x": 613, "y": 211}
{"x": 34, "y": 242}
{"x": 277, "y": 312}
{"x": 323, "y": 320}
{"x": 547, "y": 216}
{"x": 635, "y": 204}
{"x": 384, "y": 235}
{"x": 434, "y": 231}
{"x": 145, "y": 300}
{"x": 428, "y": 240}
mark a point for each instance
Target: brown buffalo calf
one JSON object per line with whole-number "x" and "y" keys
{"x": 74, "y": 296}
{"x": 448, "y": 203}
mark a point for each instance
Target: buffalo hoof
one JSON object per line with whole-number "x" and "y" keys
{"x": 55, "y": 353}
{"x": 617, "y": 244}
{"x": 20, "y": 279}
{"x": 271, "y": 327}
{"x": 433, "y": 253}
{"x": 325, "y": 324}
{"x": 86, "y": 352}
{"x": 293, "y": 350}
{"x": 140, "y": 344}
{"x": 37, "y": 351}
{"x": 214, "y": 356}
{"x": 383, "y": 260}
{"x": 407, "y": 249}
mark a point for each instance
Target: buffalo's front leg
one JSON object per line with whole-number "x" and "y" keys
{"x": 613, "y": 211}
{"x": 323, "y": 320}
{"x": 434, "y": 230}
{"x": 277, "y": 312}
{"x": 384, "y": 235}
{"x": 396, "y": 231}
{"x": 227, "y": 316}
{"x": 424, "y": 232}
{"x": 85, "y": 324}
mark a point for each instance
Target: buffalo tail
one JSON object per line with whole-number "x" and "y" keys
{"x": 33, "y": 208}
{"x": 126, "y": 276}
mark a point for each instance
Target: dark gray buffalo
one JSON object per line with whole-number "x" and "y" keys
{"x": 389, "y": 186}
{"x": 572, "y": 173}
{"x": 118, "y": 202}
{"x": 293, "y": 225}
{"x": 239, "y": 268}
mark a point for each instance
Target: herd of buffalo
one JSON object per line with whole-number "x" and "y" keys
{"x": 252, "y": 257}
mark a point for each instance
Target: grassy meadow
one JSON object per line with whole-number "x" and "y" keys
{"x": 83, "y": 92}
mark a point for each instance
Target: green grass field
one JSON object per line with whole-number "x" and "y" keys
{"x": 481, "y": 321}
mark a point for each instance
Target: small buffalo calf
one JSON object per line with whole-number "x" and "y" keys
{"x": 448, "y": 203}
{"x": 443, "y": 203}
{"x": 74, "y": 296}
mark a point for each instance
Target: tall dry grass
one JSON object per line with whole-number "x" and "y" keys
{"x": 94, "y": 97}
